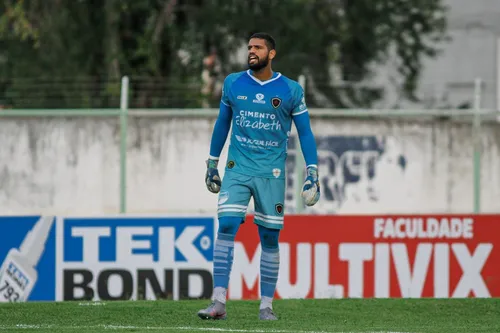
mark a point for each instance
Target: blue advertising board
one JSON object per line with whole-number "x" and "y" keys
{"x": 46, "y": 258}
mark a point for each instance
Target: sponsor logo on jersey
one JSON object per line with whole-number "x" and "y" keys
{"x": 258, "y": 120}
{"x": 259, "y": 99}
{"x": 242, "y": 97}
{"x": 256, "y": 143}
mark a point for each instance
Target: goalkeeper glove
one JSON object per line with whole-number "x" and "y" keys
{"x": 212, "y": 178}
{"x": 310, "y": 190}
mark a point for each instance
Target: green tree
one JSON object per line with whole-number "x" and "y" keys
{"x": 72, "y": 53}
{"x": 352, "y": 36}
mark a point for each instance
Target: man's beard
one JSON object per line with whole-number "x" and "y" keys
{"x": 259, "y": 64}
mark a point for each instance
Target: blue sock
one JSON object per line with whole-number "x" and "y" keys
{"x": 224, "y": 251}
{"x": 269, "y": 264}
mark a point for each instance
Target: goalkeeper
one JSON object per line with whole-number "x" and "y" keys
{"x": 261, "y": 105}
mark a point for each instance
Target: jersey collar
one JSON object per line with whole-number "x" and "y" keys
{"x": 275, "y": 77}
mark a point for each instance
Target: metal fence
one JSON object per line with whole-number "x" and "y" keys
{"x": 99, "y": 93}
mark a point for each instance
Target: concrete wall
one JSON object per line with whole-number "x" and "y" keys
{"x": 71, "y": 166}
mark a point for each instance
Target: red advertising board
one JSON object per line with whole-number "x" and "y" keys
{"x": 439, "y": 256}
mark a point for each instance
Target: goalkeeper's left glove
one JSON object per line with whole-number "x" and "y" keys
{"x": 310, "y": 190}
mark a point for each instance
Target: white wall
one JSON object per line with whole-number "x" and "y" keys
{"x": 71, "y": 166}
{"x": 437, "y": 175}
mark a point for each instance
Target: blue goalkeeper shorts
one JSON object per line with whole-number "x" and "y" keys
{"x": 268, "y": 195}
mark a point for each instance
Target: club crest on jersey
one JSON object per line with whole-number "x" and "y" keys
{"x": 276, "y": 102}
{"x": 279, "y": 208}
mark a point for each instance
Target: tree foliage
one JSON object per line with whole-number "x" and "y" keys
{"x": 57, "y": 53}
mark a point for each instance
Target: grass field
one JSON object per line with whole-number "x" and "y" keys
{"x": 299, "y": 316}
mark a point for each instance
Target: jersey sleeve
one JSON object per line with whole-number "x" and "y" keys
{"x": 226, "y": 88}
{"x": 223, "y": 122}
{"x": 220, "y": 132}
{"x": 299, "y": 102}
{"x": 307, "y": 140}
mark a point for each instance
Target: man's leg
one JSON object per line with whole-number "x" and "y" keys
{"x": 269, "y": 197}
{"x": 269, "y": 265}
{"x": 223, "y": 255}
{"x": 233, "y": 202}
{"x": 223, "y": 262}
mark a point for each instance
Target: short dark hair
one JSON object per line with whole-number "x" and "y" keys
{"x": 270, "y": 42}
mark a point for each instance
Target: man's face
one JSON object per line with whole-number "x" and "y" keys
{"x": 258, "y": 54}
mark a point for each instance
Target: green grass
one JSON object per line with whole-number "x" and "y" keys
{"x": 347, "y": 315}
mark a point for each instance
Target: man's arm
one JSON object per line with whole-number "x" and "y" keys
{"x": 311, "y": 188}
{"x": 221, "y": 130}
{"x": 306, "y": 137}
{"x": 219, "y": 136}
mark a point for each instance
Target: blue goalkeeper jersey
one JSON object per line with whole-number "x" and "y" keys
{"x": 262, "y": 114}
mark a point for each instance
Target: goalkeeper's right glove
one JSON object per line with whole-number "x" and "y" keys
{"x": 212, "y": 178}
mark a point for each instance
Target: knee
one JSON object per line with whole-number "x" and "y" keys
{"x": 229, "y": 224}
{"x": 269, "y": 238}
